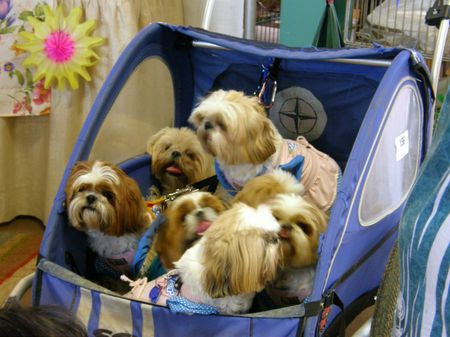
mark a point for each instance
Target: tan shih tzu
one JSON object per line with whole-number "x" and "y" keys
{"x": 187, "y": 218}
{"x": 301, "y": 224}
{"x": 234, "y": 129}
{"x": 235, "y": 258}
{"x": 107, "y": 204}
{"x": 178, "y": 159}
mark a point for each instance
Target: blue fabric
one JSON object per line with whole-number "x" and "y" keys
{"x": 182, "y": 304}
{"x": 424, "y": 243}
{"x": 295, "y": 167}
{"x": 144, "y": 245}
{"x": 156, "y": 269}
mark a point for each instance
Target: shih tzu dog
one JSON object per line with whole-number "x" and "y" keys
{"x": 301, "y": 224}
{"x": 177, "y": 159}
{"x": 187, "y": 218}
{"x": 234, "y": 129}
{"x": 235, "y": 258}
{"x": 108, "y": 206}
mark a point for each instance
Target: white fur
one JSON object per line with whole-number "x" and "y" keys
{"x": 97, "y": 174}
{"x": 191, "y": 268}
{"x": 109, "y": 246}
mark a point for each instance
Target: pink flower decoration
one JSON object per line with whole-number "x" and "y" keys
{"x": 40, "y": 94}
{"x": 59, "y": 47}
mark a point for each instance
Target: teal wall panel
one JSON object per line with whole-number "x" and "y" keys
{"x": 299, "y": 21}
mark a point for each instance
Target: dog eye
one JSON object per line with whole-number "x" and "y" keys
{"x": 108, "y": 195}
{"x": 166, "y": 147}
{"x": 191, "y": 155}
{"x": 305, "y": 228}
{"x": 221, "y": 125}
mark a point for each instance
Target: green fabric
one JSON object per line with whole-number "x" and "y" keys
{"x": 329, "y": 33}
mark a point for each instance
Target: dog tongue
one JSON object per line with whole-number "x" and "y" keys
{"x": 202, "y": 227}
{"x": 173, "y": 170}
{"x": 284, "y": 233}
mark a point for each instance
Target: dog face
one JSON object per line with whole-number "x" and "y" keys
{"x": 301, "y": 224}
{"x": 234, "y": 128}
{"x": 240, "y": 251}
{"x": 187, "y": 218}
{"x": 100, "y": 196}
{"x": 263, "y": 188}
{"x": 178, "y": 158}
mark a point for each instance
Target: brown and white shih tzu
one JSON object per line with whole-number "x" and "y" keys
{"x": 234, "y": 129}
{"x": 106, "y": 204}
{"x": 235, "y": 258}
{"x": 301, "y": 224}
{"x": 178, "y": 159}
{"x": 186, "y": 219}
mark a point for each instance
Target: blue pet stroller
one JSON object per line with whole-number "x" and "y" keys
{"x": 370, "y": 109}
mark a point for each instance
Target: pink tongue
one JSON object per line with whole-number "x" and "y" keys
{"x": 202, "y": 227}
{"x": 173, "y": 170}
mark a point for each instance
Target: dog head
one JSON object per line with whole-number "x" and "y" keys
{"x": 187, "y": 218}
{"x": 178, "y": 158}
{"x": 240, "y": 251}
{"x": 234, "y": 128}
{"x": 100, "y": 196}
{"x": 301, "y": 224}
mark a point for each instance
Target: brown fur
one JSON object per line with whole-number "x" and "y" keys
{"x": 238, "y": 261}
{"x": 242, "y": 132}
{"x": 194, "y": 163}
{"x": 302, "y": 223}
{"x": 128, "y": 212}
{"x": 173, "y": 238}
{"x": 261, "y": 189}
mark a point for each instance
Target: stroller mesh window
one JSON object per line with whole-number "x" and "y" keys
{"x": 396, "y": 158}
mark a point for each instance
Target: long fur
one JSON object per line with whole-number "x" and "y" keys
{"x": 235, "y": 258}
{"x": 178, "y": 148}
{"x": 301, "y": 225}
{"x": 183, "y": 218}
{"x": 107, "y": 204}
{"x": 263, "y": 188}
{"x": 234, "y": 128}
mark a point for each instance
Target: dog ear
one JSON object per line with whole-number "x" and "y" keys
{"x": 131, "y": 209}
{"x": 154, "y": 139}
{"x": 241, "y": 263}
{"x": 79, "y": 168}
{"x": 263, "y": 141}
{"x": 169, "y": 243}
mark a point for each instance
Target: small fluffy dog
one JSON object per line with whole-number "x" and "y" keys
{"x": 187, "y": 218}
{"x": 178, "y": 159}
{"x": 236, "y": 257}
{"x": 301, "y": 224}
{"x": 234, "y": 129}
{"x": 107, "y": 204}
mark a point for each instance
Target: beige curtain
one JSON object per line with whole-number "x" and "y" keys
{"x": 35, "y": 150}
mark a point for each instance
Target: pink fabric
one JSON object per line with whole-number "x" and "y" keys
{"x": 319, "y": 174}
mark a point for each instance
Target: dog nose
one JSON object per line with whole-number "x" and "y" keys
{"x": 91, "y": 199}
{"x": 208, "y": 125}
{"x": 176, "y": 154}
{"x": 200, "y": 214}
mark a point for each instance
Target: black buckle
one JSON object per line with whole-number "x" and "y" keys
{"x": 437, "y": 13}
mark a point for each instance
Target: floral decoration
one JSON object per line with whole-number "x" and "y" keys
{"x": 59, "y": 47}
{"x": 20, "y": 95}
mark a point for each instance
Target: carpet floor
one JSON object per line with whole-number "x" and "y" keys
{"x": 20, "y": 240}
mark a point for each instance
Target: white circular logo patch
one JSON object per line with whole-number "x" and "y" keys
{"x": 297, "y": 112}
